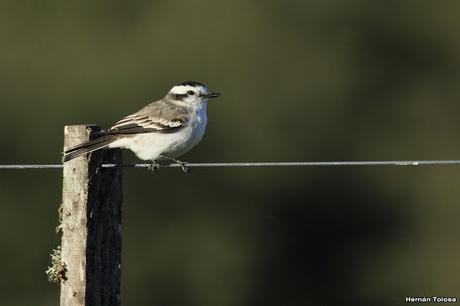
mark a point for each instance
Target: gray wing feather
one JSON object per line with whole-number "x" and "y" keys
{"x": 160, "y": 116}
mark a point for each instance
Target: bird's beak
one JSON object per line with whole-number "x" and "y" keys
{"x": 211, "y": 94}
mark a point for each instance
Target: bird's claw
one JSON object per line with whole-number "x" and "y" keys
{"x": 154, "y": 166}
{"x": 185, "y": 168}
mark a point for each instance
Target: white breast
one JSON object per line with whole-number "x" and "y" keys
{"x": 150, "y": 146}
{"x": 191, "y": 135}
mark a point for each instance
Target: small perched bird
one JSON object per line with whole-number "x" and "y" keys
{"x": 164, "y": 129}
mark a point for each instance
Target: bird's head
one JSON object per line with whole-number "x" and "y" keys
{"x": 191, "y": 92}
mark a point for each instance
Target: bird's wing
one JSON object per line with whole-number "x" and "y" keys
{"x": 160, "y": 116}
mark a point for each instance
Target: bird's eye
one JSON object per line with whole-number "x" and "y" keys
{"x": 191, "y": 92}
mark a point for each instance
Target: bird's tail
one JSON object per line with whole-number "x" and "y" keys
{"x": 88, "y": 147}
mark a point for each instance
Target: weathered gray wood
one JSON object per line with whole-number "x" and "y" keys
{"x": 91, "y": 224}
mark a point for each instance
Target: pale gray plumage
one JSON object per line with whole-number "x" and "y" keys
{"x": 160, "y": 116}
{"x": 167, "y": 127}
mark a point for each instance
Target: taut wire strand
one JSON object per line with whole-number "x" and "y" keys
{"x": 260, "y": 164}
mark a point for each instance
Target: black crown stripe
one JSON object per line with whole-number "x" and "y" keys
{"x": 192, "y": 83}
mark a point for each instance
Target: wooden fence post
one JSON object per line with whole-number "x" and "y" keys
{"x": 91, "y": 224}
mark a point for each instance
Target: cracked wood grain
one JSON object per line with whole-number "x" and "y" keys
{"x": 91, "y": 223}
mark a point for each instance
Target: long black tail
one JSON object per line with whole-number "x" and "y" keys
{"x": 88, "y": 147}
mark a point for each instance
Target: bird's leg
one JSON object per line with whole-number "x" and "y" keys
{"x": 153, "y": 166}
{"x": 185, "y": 168}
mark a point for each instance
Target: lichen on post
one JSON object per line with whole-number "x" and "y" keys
{"x": 91, "y": 224}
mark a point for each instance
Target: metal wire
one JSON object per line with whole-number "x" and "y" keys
{"x": 262, "y": 164}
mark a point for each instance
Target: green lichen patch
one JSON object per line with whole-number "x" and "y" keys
{"x": 56, "y": 272}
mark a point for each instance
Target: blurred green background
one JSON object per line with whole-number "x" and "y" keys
{"x": 301, "y": 80}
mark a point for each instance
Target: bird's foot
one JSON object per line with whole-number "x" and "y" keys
{"x": 184, "y": 165}
{"x": 153, "y": 166}
{"x": 185, "y": 168}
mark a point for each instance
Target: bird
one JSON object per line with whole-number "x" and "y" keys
{"x": 163, "y": 130}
